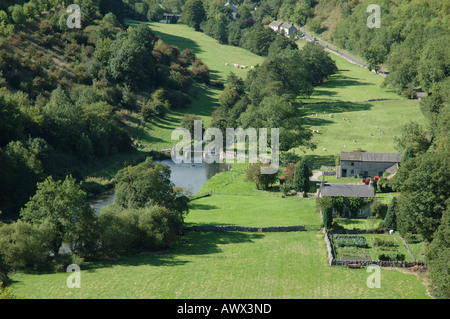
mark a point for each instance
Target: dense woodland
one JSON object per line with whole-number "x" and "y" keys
{"x": 61, "y": 91}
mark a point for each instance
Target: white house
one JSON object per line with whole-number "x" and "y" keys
{"x": 286, "y": 28}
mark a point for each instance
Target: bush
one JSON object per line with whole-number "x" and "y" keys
{"x": 178, "y": 99}
{"x": 409, "y": 93}
{"x": 262, "y": 181}
{"x": 350, "y": 241}
{"x": 136, "y": 230}
{"x": 389, "y": 257}
{"x": 200, "y": 71}
{"x": 384, "y": 243}
{"x": 25, "y": 245}
{"x": 328, "y": 218}
{"x": 155, "y": 108}
{"x": 379, "y": 209}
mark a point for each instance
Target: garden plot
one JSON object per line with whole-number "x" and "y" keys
{"x": 376, "y": 247}
{"x": 387, "y": 249}
{"x": 351, "y": 248}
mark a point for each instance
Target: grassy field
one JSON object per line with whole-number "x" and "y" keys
{"x": 250, "y": 265}
{"x": 345, "y": 95}
{"x": 350, "y": 94}
{"x": 213, "y": 54}
{"x": 156, "y": 135}
{"x": 225, "y": 265}
{"x": 230, "y": 264}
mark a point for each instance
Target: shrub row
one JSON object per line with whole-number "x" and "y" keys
{"x": 350, "y": 241}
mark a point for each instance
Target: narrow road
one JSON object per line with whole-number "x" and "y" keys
{"x": 348, "y": 57}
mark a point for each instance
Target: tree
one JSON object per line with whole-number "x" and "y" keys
{"x": 11, "y": 122}
{"x": 424, "y": 186}
{"x": 390, "y": 221}
{"x": 200, "y": 71}
{"x": 187, "y": 122}
{"x": 89, "y": 10}
{"x": 18, "y": 15}
{"x": 327, "y": 216}
{"x": 276, "y": 111}
{"x": 434, "y": 63}
{"x": 217, "y": 27}
{"x": 437, "y": 255}
{"x": 24, "y": 244}
{"x": 375, "y": 55}
{"x": 114, "y": 6}
{"x": 84, "y": 148}
{"x": 131, "y": 60}
{"x": 148, "y": 184}
{"x": 383, "y": 183}
{"x": 414, "y": 137}
{"x": 281, "y": 43}
{"x": 262, "y": 181}
{"x": 379, "y": 209}
{"x": 135, "y": 230}
{"x": 61, "y": 204}
{"x": 302, "y": 173}
{"x": 194, "y": 13}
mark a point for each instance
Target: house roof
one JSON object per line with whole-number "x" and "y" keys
{"x": 287, "y": 26}
{"x": 346, "y": 190}
{"x": 275, "y": 23}
{"x": 371, "y": 157}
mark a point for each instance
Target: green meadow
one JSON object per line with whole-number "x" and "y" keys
{"x": 225, "y": 265}
{"x": 241, "y": 264}
{"x": 230, "y": 264}
{"x": 213, "y": 54}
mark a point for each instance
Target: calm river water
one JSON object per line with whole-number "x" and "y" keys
{"x": 191, "y": 176}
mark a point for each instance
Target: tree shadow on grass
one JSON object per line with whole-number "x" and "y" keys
{"x": 197, "y": 206}
{"x": 331, "y": 108}
{"x": 340, "y": 80}
{"x": 327, "y": 160}
{"x": 190, "y": 244}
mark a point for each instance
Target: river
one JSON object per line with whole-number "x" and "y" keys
{"x": 191, "y": 176}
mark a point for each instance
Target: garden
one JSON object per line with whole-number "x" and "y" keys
{"x": 376, "y": 247}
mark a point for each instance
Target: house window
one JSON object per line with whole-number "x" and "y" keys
{"x": 353, "y": 171}
{"x": 352, "y": 163}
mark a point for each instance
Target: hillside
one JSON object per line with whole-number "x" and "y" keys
{"x": 90, "y": 109}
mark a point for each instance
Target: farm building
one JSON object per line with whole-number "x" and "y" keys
{"x": 346, "y": 190}
{"x": 364, "y": 164}
{"x": 170, "y": 18}
{"x": 286, "y": 28}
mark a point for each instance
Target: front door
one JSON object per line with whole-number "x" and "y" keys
{"x": 344, "y": 173}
